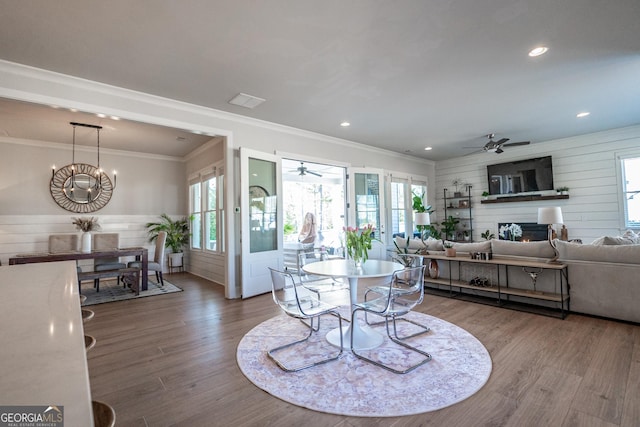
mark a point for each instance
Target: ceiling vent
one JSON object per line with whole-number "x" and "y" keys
{"x": 246, "y": 101}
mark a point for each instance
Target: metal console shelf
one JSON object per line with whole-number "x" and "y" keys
{"x": 501, "y": 290}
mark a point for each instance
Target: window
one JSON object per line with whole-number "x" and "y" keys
{"x": 402, "y": 192}
{"x": 207, "y": 210}
{"x": 631, "y": 191}
{"x": 398, "y": 206}
{"x": 196, "y": 215}
{"x": 367, "y": 198}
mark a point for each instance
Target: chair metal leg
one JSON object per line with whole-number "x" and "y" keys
{"x": 427, "y": 356}
{"x": 424, "y": 330}
{"x": 284, "y": 367}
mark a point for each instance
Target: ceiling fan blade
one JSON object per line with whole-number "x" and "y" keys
{"x": 511, "y": 144}
{"x": 314, "y": 173}
{"x": 502, "y": 141}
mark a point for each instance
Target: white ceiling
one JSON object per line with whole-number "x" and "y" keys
{"x": 406, "y": 74}
{"x": 45, "y": 123}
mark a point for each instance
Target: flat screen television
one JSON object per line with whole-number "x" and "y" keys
{"x": 520, "y": 176}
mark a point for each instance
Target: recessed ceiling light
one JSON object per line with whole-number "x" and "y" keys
{"x": 540, "y": 50}
{"x": 345, "y": 124}
{"x": 428, "y": 148}
{"x": 102, "y": 116}
{"x": 115, "y": 118}
{"x": 583, "y": 114}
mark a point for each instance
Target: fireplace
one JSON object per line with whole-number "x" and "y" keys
{"x": 531, "y": 231}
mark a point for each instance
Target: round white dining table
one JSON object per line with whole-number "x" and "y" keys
{"x": 364, "y": 337}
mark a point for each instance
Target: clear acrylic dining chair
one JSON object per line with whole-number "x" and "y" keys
{"x": 392, "y": 305}
{"x": 297, "y": 302}
{"x": 319, "y": 284}
{"x": 404, "y": 284}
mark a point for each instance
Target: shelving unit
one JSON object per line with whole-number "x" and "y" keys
{"x": 459, "y": 206}
{"x": 557, "y": 302}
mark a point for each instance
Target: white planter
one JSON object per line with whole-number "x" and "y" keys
{"x": 86, "y": 242}
{"x": 175, "y": 259}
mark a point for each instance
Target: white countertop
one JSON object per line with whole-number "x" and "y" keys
{"x": 42, "y": 355}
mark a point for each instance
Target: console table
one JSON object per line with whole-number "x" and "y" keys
{"x": 504, "y": 294}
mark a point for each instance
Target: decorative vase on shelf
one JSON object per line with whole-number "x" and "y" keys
{"x": 450, "y": 252}
{"x": 433, "y": 269}
{"x": 86, "y": 242}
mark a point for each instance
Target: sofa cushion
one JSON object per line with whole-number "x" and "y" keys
{"x": 629, "y": 237}
{"x": 416, "y": 244}
{"x": 471, "y": 247}
{"x": 540, "y": 249}
{"x": 623, "y": 254}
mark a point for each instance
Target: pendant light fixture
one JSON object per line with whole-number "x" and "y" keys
{"x": 81, "y": 187}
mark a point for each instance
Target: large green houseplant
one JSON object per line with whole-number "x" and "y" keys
{"x": 177, "y": 235}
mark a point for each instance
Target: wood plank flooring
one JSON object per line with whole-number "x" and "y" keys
{"x": 170, "y": 361}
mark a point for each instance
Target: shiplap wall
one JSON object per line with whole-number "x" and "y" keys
{"x": 586, "y": 164}
{"x": 30, "y": 233}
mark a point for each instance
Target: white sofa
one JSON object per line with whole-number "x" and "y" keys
{"x": 604, "y": 278}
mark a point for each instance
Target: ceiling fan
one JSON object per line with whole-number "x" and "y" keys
{"x": 303, "y": 170}
{"x": 496, "y": 146}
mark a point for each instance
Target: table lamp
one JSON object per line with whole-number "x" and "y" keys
{"x": 422, "y": 219}
{"x": 550, "y": 216}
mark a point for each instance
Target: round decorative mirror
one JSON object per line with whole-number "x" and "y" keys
{"x": 81, "y": 188}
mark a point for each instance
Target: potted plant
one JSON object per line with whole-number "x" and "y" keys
{"x": 401, "y": 252}
{"x": 177, "y": 235}
{"x": 449, "y": 250}
{"x": 449, "y": 227}
{"x": 487, "y": 235}
{"x": 485, "y": 195}
{"x": 563, "y": 191}
{"x": 457, "y": 182}
{"x": 86, "y": 225}
{"x": 418, "y": 207}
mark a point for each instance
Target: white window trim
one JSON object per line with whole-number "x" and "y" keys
{"x": 202, "y": 176}
{"x": 620, "y": 156}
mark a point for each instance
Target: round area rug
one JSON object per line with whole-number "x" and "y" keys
{"x": 461, "y": 365}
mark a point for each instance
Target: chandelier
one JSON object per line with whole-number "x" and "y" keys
{"x": 81, "y": 187}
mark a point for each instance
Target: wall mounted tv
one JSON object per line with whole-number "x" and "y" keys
{"x": 520, "y": 176}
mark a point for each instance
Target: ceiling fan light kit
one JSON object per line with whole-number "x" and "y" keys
{"x": 303, "y": 170}
{"x": 497, "y": 146}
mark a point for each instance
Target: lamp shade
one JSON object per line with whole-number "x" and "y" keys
{"x": 422, "y": 218}
{"x": 552, "y": 215}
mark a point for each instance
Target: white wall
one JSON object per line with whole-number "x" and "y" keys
{"x": 41, "y": 86}
{"x": 147, "y": 186}
{"x": 586, "y": 164}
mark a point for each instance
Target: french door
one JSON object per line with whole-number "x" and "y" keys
{"x": 261, "y": 225}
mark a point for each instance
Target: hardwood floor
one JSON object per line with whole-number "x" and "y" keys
{"x": 170, "y": 361}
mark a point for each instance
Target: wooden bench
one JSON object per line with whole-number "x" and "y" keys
{"x": 130, "y": 276}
